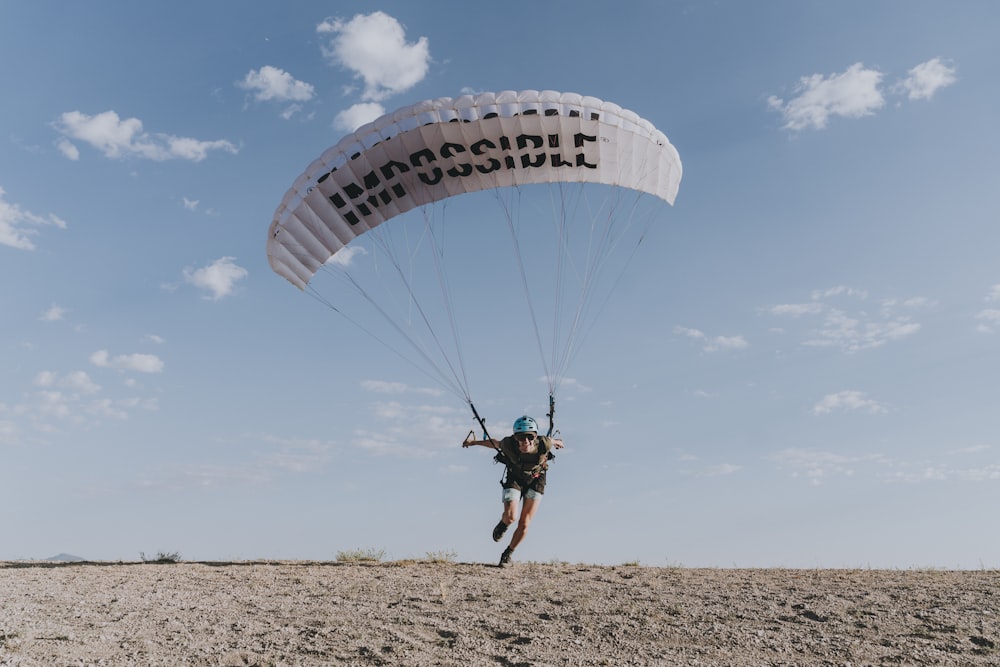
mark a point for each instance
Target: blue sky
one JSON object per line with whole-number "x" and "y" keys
{"x": 799, "y": 368}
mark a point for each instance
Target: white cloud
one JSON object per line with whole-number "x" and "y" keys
{"x": 219, "y": 277}
{"x": 345, "y": 256}
{"x": 994, "y": 294}
{"x": 848, "y": 401}
{"x": 68, "y": 149}
{"x": 817, "y": 466}
{"x": 856, "y": 330}
{"x": 142, "y": 363}
{"x": 855, "y": 93}
{"x": 357, "y": 115}
{"x": 721, "y": 470}
{"x": 411, "y": 430}
{"x": 10, "y": 434}
{"x": 796, "y": 309}
{"x": 990, "y": 320}
{"x": 927, "y": 78}
{"x": 933, "y": 473}
{"x": 714, "y": 343}
{"x": 851, "y": 94}
{"x": 271, "y": 83}
{"x": 118, "y": 138}
{"x": 190, "y": 204}
{"x": 78, "y": 382}
{"x": 53, "y": 314}
{"x": 570, "y": 383}
{"x": 17, "y": 226}
{"x": 374, "y": 47}
{"x": 839, "y": 290}
{"x": 381, "y": 387}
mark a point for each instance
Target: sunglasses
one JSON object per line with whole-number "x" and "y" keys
{"x": 525, "y": 436}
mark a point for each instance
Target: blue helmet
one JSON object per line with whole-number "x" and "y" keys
{"x": 525, "y": 424}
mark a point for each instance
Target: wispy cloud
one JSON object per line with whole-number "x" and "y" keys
{"x": 933, "y": 473}
{"x": 382, "y": 387}
{"x": 77, "y": 381}
{"x": 410, "y": 430}
{"x": 219, "y": 278}
{"x": 817, "y": 466}
{"x": 374, "y": 47}
{"x": 117, "y": 139}
{"x": 60, "y": 402}
{"x": 345, "y": 256}
{"x": 989, "y": 320}
{"x": 848, "y": 401}
{"x": 713, "y": 343}
{"x": 850, "y": 327}
{"x": 721, "y": 470}
{"x": 140, "y": 363}
{"x": 18, "y": 226}
{"x": 55, "y": 313}
{"x": 855, "y": 93}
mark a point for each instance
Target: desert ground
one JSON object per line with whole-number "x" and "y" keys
{"x": 532, "y": 614}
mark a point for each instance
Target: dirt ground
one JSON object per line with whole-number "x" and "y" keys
{"x": 422, "y": 613}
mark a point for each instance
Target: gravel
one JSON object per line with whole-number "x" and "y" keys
{"x": 423, "y": 613}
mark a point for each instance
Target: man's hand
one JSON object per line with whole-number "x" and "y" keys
{"x": 469, "y": 439}
{"x": 557, "y": 443}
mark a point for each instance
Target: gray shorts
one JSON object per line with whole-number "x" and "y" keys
{"x": 512, "y": 495}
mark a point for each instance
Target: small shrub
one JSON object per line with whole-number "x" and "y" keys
{"x": 442, "y": 556}
{"x": 162, "y": 557}
{"x": 361, "y": 556}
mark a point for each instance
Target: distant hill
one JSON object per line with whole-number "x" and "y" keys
{"x": 67, "y": 558}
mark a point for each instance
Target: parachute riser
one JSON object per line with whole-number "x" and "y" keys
{"x": 482, "y": 425}
{"x": 551, "y": 415}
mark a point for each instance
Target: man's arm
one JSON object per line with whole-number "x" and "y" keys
{"x": 470, "y": 441}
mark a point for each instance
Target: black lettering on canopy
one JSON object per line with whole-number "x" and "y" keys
{"x": 450, "y": 149}
{"x": 536, "y": 142}
{"x": 581, "y": 159}
{"x": 365, "y": 198}
{"x": 479, "y": 148}
{"x": 426, "y": 156}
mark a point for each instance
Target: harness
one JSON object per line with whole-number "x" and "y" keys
{"x": 523, "y": 477}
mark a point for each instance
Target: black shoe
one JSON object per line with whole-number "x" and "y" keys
{"x": 498, "y": 532}
{"x": 505, "y": 557}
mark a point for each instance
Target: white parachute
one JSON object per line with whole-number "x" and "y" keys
{"x": 505, "y": 143}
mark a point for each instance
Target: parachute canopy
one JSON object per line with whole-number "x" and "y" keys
{"x": 439, "y": 148}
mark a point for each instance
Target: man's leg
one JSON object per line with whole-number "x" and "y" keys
{"x": 510, "y": 498}
{"x": 528, "y": 509}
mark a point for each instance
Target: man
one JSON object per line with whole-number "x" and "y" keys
{"x": 526, "y": 456}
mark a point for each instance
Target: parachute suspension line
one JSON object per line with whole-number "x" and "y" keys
{"x": 446, "y": 297}
{"x": 595, "y": 254}
{"x": 440, "y": 378}
{"x": 394, "y": 260}
{"x": 629, "y": 221}
{"x": 559, "y": 216}
{"x": 508, "y": 213}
